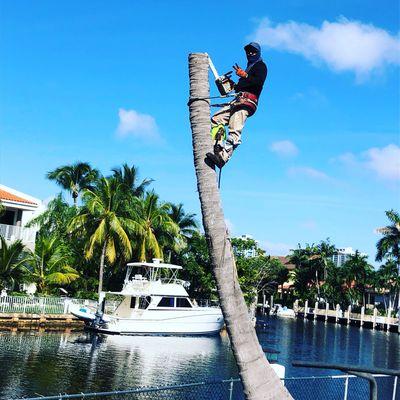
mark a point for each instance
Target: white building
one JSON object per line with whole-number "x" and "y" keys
{"x": 343, "y": 254}
{"x": 20, "y": 208}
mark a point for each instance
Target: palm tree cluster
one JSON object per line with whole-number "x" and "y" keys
{"x": 118, "y": 220}
{"x": 317, "y": 278}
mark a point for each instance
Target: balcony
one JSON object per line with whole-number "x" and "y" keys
{"x": 13, "y": 232}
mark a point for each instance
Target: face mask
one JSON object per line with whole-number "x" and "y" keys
{"x": 251, "y": 58}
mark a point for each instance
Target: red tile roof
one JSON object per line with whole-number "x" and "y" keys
{"x": 4, "y": 195}
{"x": 285, "y": 262}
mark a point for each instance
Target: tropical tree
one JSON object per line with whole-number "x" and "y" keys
{"x": 186, "y": 222}
{"x": 258, "y": 378}
{"x": 104, "y": 219}
{"x": 49, "y": 265}
{"x": 309, "y": 268}
{"x": 187, "y": 226}
{"x": 198, "y": 268}
{"x": 387, "y": 280}
{"x": 55, "y": 219}
{"x": 128, "y": 177}
{"x": 358, "y": 275}
{"x": 74, "y": 178}
{"x": 388, "y": 247}
{"x": 12, "y": 258}
{"x": 154, "y": 228}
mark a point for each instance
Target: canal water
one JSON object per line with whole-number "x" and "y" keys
{"x": 44, "y": 363}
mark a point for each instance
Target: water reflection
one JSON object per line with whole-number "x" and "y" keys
{"x": 49, "y": 363}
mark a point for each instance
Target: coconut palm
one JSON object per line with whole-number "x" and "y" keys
{"x": 389, "y": 245}
{"x": 258, "y": 378}
{"x": 186, "y": 222}
{"x": 357, "y": 275}
{"x": 105, "y": 220}
{"x": 388, "y": 281}
{"x": 74, "y": 178}
{"x": 49, "y": 265}
{"x": 128, "y": 177}
{"x": 55, "y": 219}
{"x": 154, "y": 227}
{"x": 12, "y": 259}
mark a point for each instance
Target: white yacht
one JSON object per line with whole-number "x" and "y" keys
{"x": 154, "y": 301}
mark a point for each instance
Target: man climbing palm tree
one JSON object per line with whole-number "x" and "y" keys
{"x": 234, "y": 115}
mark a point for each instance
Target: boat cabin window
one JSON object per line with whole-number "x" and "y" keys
{"x": 133, "y": 302}
{"x": 183, "y": 302}
{"x": 166, "y": 302}
{"x": 144, "y": 302}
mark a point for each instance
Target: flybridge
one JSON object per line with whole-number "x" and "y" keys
{"x": 151, "y": 271}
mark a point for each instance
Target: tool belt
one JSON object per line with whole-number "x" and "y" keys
{"x": 246, "y": 100}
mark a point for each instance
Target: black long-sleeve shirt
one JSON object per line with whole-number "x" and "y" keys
{"x": 255, "y": 80}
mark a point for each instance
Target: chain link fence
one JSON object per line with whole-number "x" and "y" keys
{"x": 342, "y": 387}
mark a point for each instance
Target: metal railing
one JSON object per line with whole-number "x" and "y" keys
{"x": 13, "y": 232}
{"x": 346, "y": 387}
{"x": 41, "y": 305}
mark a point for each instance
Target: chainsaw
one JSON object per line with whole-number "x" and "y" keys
{"x": 224, "y": 83}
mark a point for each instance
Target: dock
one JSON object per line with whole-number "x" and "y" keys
{"x": 347, "y": 317}
{"x": 23, "y": 321}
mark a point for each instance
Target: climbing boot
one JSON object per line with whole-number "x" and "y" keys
{"x": 216, "y": 159}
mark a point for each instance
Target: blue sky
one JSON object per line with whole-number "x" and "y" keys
{"x": 107, "y": 83}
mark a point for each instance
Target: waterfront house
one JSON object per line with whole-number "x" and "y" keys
{"x": 18, "y": 209}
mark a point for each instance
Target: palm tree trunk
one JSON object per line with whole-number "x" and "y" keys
{"x": 258, "y": 378}
{"x": 103, "y": 253}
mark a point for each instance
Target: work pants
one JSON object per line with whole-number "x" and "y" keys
{"x": 235, "y": 118}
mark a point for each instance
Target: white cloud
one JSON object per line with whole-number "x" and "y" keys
{"x": 307, "y": 172}
{"x": 277, "y": 249}
{"x": 284, "y": 148}
{"x": 139, "y": 125}
{"x": 343, "y": 45}
{"x": 384, "y": 162}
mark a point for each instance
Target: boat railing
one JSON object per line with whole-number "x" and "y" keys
{"x": 176, "y": 281}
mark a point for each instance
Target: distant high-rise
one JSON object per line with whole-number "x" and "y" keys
{"x": 342, "y": 255}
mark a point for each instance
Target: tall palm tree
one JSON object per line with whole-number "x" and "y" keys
{"x": 12, "y": 258}
{"x": 154, "y": 227}
{"x": 49, "y": 265}
{"x": 74, "y": 178}
{"x": 387, "y": 279}
{"x": 186, "y": 222}
{"x": 357, "y": 274}
{"x": 389, "y": 245}
{"x": 55, "y": 219}
{"x": 105, "y": 219}
{"x": 258, "y": 378}
{"x": 128, "y": 177}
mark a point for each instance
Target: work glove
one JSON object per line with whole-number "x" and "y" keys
{"x": 240, "y": 72}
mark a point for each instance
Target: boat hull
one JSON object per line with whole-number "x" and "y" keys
{"x": 200, "y": 321}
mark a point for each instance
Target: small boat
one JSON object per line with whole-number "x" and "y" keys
{"x": 154, "y": 302}
{"x": 284, "y": 311}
